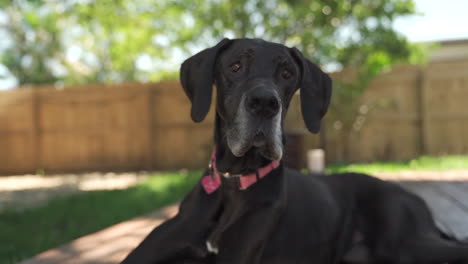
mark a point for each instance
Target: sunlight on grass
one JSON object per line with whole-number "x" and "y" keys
{"x": 421, "y": 163}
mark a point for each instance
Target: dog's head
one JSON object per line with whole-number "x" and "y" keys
{"x": 255, "y": 82}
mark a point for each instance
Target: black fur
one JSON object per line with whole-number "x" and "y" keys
{"x": 286, "y": 217}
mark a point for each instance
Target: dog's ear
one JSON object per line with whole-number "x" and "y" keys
{"x": 315, "y": 88}
{"x": 197, "y": 77}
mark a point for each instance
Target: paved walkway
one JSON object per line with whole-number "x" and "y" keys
{"x": 445, "y": 192}
{"x": 107, "y": 246}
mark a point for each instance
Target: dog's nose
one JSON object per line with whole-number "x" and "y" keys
{"x": 263, "y": 104}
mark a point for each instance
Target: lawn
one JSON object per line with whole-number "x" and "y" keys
{"x": 422, "y": 163}
{"x": 24, "y": 234}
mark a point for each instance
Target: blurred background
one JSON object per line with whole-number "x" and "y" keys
{"x": 95, "y": 128}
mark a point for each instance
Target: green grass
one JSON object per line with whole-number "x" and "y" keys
{"x": 24, "y": 234}
{"x": 421, "y": 163}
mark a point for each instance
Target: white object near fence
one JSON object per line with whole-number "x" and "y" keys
{"x": 316, "y": 160}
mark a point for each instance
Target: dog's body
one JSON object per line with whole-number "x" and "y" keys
{"x": 284, "y": 217}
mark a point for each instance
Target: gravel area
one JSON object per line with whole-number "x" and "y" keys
{"x": 25, "y": 191}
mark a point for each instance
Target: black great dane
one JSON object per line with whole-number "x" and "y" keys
{"x": 248, "y": 208}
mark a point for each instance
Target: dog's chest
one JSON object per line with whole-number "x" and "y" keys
{"x": 300, "y": 242}
{"x": 309, "y": 227}
{"x": 297, "y": 233}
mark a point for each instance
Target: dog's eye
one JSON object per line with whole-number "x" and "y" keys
{"x": 286, "y": 74}
{"x": 235, "y": 67}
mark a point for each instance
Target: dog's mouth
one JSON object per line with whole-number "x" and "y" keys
{"x": 263, "y": 135}
{"x": 267, "y": 144}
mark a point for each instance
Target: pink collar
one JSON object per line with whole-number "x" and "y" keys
{"x": 212, "y": 181}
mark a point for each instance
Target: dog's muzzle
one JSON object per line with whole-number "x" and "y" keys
{"x": 257, "y": 124}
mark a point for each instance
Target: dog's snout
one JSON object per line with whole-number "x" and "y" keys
{"x": 263, "y": 104}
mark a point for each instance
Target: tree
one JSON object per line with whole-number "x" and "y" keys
{"x": 121, "y": 40}
{"x": 109, "y": 38}
{"x": 347, "y": 34}
{"x": 116, "y": 34}
{"x": 88, "y": 41}
{"x": 34, "y": 46}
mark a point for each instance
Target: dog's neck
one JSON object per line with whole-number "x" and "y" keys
{"x": 227, "y": 162}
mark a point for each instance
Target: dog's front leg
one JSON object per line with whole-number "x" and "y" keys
{"x": 181, "y": 238}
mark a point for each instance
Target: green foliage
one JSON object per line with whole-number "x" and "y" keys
{"x": 347, "y": 32}
{"x": 126, "y": 40}
{"x": 26, "y": 233}
{"x": 107, "y": 38}
{"x": 118, "y": 32}
{"x": 35, "y": 43}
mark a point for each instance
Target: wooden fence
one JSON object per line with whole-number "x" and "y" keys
{"x": 100, "y": 127}
{"x": 423, "y": 112}
{"x": 147, "y": 126}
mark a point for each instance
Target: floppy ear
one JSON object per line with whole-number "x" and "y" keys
{"x": 315, "y": 88}
{"x": 197, "y": 77}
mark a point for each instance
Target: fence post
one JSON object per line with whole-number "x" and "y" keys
{"x": 423, "y": 113}
{"x": 36, "y": 126}
{"x": 150, "y": 131}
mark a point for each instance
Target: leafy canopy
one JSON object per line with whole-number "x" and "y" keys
{"x": 78, "y": 41}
